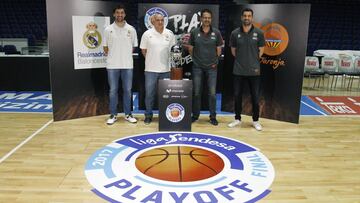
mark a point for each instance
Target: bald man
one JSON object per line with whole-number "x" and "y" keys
{"x": 155, "y": 46}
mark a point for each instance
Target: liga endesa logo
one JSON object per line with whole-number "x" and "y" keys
{"x": 276, "y": 38}
{"x": 179, "y": 167}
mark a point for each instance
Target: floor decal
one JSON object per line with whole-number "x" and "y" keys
{"x": 179, "y": 167}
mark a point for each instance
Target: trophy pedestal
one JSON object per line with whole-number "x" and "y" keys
{"x": 175, "y": 105}
{"x": 176, "y": 73}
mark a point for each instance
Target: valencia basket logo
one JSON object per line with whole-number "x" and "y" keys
{"x": 277, "y": 39}
{"x": 181, "y": 168}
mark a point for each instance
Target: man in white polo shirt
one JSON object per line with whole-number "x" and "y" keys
{"x": 120, "y": 39}
{"x": 155, "y": 46}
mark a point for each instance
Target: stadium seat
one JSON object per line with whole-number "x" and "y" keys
{"x": 330, "y": 67}
{"x": 312, "y": 69}
{"x": 10, "y": 49}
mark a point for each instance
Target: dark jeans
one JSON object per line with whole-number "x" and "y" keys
{"x": 197, "y": 77}
{"x": 254, "y": 85}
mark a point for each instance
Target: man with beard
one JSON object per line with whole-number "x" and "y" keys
{"x": 155, "y": 46}
{"x": 205, "y": 48}
{"x": 120, "y": 39}
{"x": 247, "y": 46}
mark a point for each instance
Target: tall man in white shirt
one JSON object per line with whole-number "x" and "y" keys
{"x": 120, "y": 39}
{"x": 155, "y": 46}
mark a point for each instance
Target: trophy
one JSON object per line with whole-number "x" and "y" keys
{"x": 176, "y": 71}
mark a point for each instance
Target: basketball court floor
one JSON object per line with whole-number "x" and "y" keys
{"x": 315, "y": 161}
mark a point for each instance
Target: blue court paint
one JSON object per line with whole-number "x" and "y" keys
{"x": 12, "y": 101}
{"x": 310, "y": 108}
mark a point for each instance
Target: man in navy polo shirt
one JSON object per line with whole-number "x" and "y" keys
{"x": 205, "y": 48}
{"x": 247, "y": 46}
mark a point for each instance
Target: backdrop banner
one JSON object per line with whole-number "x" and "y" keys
{"x": 179, "y": 18}
{"x": 285, "y": 28}
{"x": 75, "y": 45}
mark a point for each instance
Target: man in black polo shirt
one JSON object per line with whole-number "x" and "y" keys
{"x": 205, "y": 48}
{"x": 247, "y": 46}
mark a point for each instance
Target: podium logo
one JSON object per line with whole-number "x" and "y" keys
{"x": 92, "y": 37}
{"x": 175, "y": 112}
{"x": 155, "y": 10}
{"x": 179, "y": 167}
{"x": 276, "y": 38}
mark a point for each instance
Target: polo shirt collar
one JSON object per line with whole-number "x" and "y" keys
{"x": 155, "y": 31}
{"x": 125, "y": 24}
{"x": 251, "y": 29}
{"x": 201, "y": 29}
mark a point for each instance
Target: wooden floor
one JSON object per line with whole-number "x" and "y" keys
{"x": 316, "y": 161}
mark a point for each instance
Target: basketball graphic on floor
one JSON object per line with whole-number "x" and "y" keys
{"x": 179, "y": 163}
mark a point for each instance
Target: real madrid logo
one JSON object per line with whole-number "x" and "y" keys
{"x": 179, "y": 167}
{"x": 175, "y": 112}
{"x": 151, "y": 12}
{"x": 92, "y": 37}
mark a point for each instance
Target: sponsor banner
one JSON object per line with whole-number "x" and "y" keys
{"x": 179, "y": 167}
{"x": 88, "y": 36}
{"x": 338, "y": 105}
{"x": 25, "y": 101}
{"x": 75, "y": 35}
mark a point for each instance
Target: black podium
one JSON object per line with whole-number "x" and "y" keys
{"x": 175, "y": 104}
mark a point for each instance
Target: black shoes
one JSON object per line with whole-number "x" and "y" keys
{"x": 213, "y": 121}
{"x": 147, "y": 120}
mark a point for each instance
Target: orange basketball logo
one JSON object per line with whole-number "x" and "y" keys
{"x": 277, "y": 39}
{"x": 179, "y": 163}
{"x": 175, "y": 112}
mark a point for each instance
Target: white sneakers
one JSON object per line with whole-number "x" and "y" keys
{"x": 257, "y": 125}
{"x": 236, "y": 122}
{"x": 130, "y": 118}
{"x": 112, "y": 119}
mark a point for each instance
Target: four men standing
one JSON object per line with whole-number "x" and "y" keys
{"x": 205, "y": 44}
